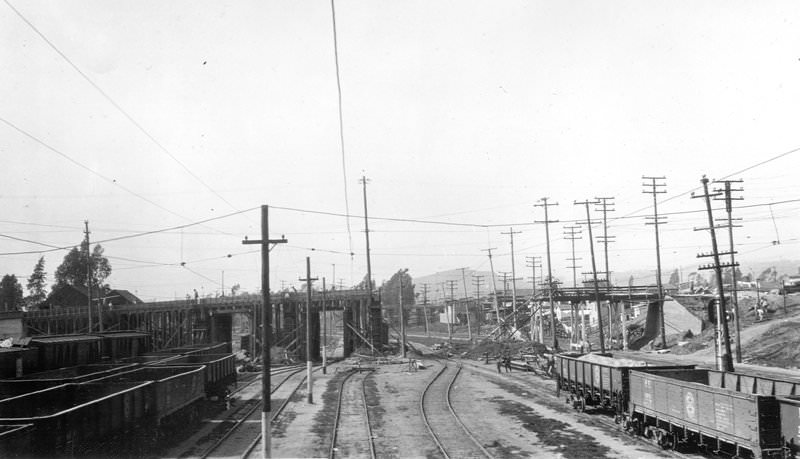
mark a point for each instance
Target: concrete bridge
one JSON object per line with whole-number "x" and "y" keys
{"x": 181, "y": 322}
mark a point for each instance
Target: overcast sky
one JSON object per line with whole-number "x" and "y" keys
{"x": 144, "y": 116}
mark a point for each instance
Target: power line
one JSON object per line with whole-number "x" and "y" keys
{"x": 116, "y": 105}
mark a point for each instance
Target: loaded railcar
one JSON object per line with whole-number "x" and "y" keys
{"x": 42, "y": 380}
{"x": 598, "y": 380}
{"x": 679, "y": 407}
{"x": 173, "y": 388}
{"x": 755, "y": 384}
{"x": 118, "y": 345}
{"x": 790, "y": 424}
{"x": 220, "y": 370}
{"x": 79, "y": 419}
{"x": 57, "y": 351}
{"x": 15, "y": 440}
{"x": 18, "y": 361}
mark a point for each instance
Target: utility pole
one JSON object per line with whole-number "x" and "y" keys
{"x": 370, "y": 285}
{"x": 308, "y": 281}
{"x": 533, "y": 263}
{"x": 476, "y": 281}
{"x": 724, "y": 360}
{"x": 494, "y": 285}
{"x": 605, "y": 238}
{"x": 466, "y": 304}
{"x": 402, "y": 319}
{"x": 511, "y": 234}
{"x": 324, "y": 330}
{"x": 594, "y": 274}
{"x": 655, "y": 191}
{"x": 572, "y": 235}
{"x": 547, "y": 222}
{"x": 505, "y": 287}
{"x": 452, "y": 285}
{"x": 425, "y": 308}
{"x": 729, "y": 209}
{"x": 266, "y": 329}
{"x": 88, "y": 272}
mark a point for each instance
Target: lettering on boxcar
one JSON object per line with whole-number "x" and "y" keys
{"x": 691, "y": 413}
{"x": 722, "y": 412}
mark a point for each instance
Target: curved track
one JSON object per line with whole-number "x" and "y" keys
{"x": 453, "y": 438}
{"x": 241, "y": 426}
{"x": 351, "y": 422}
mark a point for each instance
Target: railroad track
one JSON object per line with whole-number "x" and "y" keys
{"x": 239, "y": 425}
{"x": 599, "y": 419}
{"x": 452, "y": 438}
{"x": 351, "y": 422}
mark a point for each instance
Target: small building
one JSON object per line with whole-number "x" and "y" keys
{"x": 71, "y": 296}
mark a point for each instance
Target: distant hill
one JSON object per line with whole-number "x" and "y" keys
{"x": 438, "y": 287}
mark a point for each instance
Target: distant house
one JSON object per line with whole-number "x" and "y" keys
{"x": 71, "y": 296}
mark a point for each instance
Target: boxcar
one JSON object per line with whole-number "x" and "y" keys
{"x": 51, "y": 378}
{"x": 220, "y": 370}
{"x": 58, "y": 351}
{"x": 78, "y": 419}
{"x": 755, "y": 384}
{"x": 17, "y": 361}
{"x": 15, "y": 440}
{"x": 677, "y": 407}
{"x": 118, "y": 345}
{"x": 173, "y": 388}
{"x": 790, "y": 424}
{"x": 598, "y": 380}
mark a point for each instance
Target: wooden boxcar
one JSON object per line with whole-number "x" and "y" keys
{"x": 790, "y": 424}
{"x": 15, "y": 440}
{"x": 118, "y": 345}
{"x": 18, "y": 361}
{"x": 77, "y": 420}
{"x": 173, "y": 388}
{"x": 51, "y": 378}
{"x": 755, "y": 384}
{"x": 678, "y": 407}
{"x": 58, "y": 351}
{"x": 598, "y": 380}
{"x": 220, "y": 370}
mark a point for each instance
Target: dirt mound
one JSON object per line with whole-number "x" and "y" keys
{"x": 779, "y": 346}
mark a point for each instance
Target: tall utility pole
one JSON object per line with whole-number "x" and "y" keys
{"x": 511, "y": 234}
{"x": 533, "y": 263}
{"x": 452, "y": 285}
{"x": 494, "y": 285}
{"x": 477, "y": 280}
{"x": 505, "y": 285}
{"x": 547, "y": 222}
{"x": 266, "y": 329}
{"x": 466, "y": 303}
{"x": 594, "y": 274}
{"x": 655, "y": 191}
{"x": 729, "y": 209}
{"x": 324, "y": 330}
{"x": 425, "y": 308}
{"x": 724, "y": 360}
{"x": 364, "y": 182}
{"x": 308, "y": 281}
{"x": 88, "y": 272}
{"x": 572, "y": 235}
{"x": 402, "y": 319}
{"x": 605, "y": 203}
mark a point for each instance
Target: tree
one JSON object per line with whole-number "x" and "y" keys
{"x": 73, "y": 270}
{"x": 36, "y": 284}
{"x": 235, "y": 289}
{"x": 11, "y": 298}
{"x": 768, "y": 275}
{"x": 390, "y": 296}
{"x": 675, "y": 278}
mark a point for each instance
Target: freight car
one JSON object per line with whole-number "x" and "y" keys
{"x": 44, "y": 379}
{"x": 118, "y": 345}
{"x": 680, "y": 407}
{"x": 598, "y": 380}
{"x": 57, "y": 351}
{"x": 15, "y": 440}
{"x": 220, "y": 370}
{"x": 174, "y": 387}
{"x": 17, "y": 361}
{"x": 78, "y": 420}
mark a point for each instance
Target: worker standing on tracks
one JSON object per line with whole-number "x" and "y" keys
{"x": 499, "y": 363}
{"x": 507, "y": 361}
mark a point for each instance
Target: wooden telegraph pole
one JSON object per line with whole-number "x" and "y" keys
{"x": 655, "y": 191}
{"x": 728, "y": 198}
{"x": 266, "y": 329}
{"x": 308, "y": 281}
{"x": 547, "y": 222}
{"x": 594, "y": 274}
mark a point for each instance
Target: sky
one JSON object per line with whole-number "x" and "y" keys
{"x": 166, "y": 125}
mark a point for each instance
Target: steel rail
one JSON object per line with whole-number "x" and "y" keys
{"x": 458, "y": 420}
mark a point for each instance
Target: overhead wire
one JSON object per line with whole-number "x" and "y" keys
{"x": 116, "y": 105}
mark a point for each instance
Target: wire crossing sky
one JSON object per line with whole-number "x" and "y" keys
{"x": 167, "y": 124}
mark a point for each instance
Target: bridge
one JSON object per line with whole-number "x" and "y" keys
{"x": 351, "y": 314}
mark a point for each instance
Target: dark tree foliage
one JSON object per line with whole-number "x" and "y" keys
{"x": 11, "y": 298}
{"x": 390, "y": 294}
{"x": 36, "y": 284}
{"x": 768, "y": 275}
{"x": 73, "y": 270}
{"x": 363, "y": 284}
